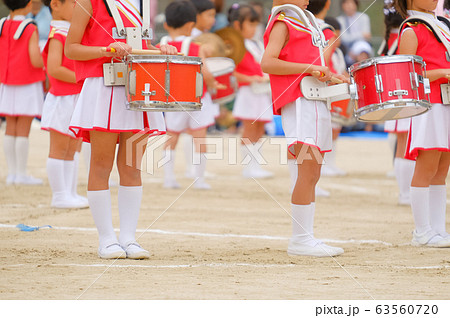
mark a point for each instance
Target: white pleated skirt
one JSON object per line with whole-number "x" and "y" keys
{"x": 251, "y": 106}
{"x": 57, "y": 113}
{"x": 21, "y": 100}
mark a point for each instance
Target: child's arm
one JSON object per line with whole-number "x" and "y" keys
{"x": 54, "y": 63}
{"x": 73, "y": 48}
{"x": 408, "y": 46}
{"x": 165, "y": 49}
{"x": 34, "y": 51}
{"x": 271, "y": 64}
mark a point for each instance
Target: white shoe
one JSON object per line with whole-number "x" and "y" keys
{"x": 113, "y": 251}
{"x": 201, "y": 185}
{"x": 81, "y": 199}
{"x": 68, "y": 202}
{"x": 134, "y": 251}
{"x": 27, "y": 180}
{"x": 332, "y": 171}
{"x": 319, "y": 249}
{"x": 429, "y": 239}
{"x": 321, "y": 192}
{"x": 10, "y": 179}
{"x": 171, "y": 184}
{"x": 404, "y": 200}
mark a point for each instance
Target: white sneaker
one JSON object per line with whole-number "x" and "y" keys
{"x": 321, "y": 192}
{"x": 332, "y": 171}
{"x": 28, "y": 180}
{"x": 68, "y": 202}
{"x": 201, "y": 185}
{"x": 81, "y": 199}
{"x": 112, "y": 251}
{"x": 10, "y": 179}
{"x": 320, "y": 249}
{"x": 134, "y": 251}
{"x": 429, "y": 239}
{"x": 171, "y": 184}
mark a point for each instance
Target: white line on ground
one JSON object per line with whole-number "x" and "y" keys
{"x": 226, "y": 235}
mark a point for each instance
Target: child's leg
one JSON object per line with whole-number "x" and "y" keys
{"x": 103, "y": 145}
{"x": 169, "y": 167}
{"x": 71, "y": 163}
{"x": 404, "y": 169}
{"x": 252, "y": 132}
{"x": 199, "y": 158}
{"x": 438, "y": 196}
{"x": 22, "y": 145}
{"x": 9, "y": 146}
{"x": 130, "y": 192}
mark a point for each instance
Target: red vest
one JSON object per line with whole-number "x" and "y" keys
{"x": 299, "y": 49}
{"x": 433, "y": 54}
{"x": 15, "y": 63}
{"x": 248, "y": 66}
{"x": 329, "y": 34}
{"x": 57, "y": 87}
{"x": 98, "y": 32}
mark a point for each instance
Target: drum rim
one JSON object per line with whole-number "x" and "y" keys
{"x": 425, "y": 104}
{"x": 175, "y": 106}
{"x": 386, "y": 60}
{"x": 175, "y": 59}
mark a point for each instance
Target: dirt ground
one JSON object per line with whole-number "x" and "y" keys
{"x": 226, "y": 243}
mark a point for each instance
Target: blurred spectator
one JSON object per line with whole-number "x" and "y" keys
{"x": 41, "y": 14}
{"x": 360, "y": 51}
{"x": 221, "y": 18}
{"x": 258, "y": 6}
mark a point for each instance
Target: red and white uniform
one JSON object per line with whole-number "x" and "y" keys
{"x": 61, "y": 99}
{"x": 304, "y": 121}
{"x": 21, "y": 84}
{"x": 249, "y": 105}
{"x": 181, "y": 121}
{"x": 430, "y": 131}
{"x": 101, "y": 107}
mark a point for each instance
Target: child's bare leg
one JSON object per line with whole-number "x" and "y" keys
{"x": 251, "y": 134}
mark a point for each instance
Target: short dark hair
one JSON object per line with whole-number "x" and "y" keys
{"x": 316, "y": 6}
{"x": 16, "y": 4}
{"x": 242, "y": 12}
{"x": 333, "y": 22}
{"x": 203, "y": 5}
{"x": 447, "y": 4}
{"x": 47, "y": 3}
{"x": 178, "y": 13}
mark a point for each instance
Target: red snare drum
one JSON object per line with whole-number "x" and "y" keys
{"x": 164, "y": 83}
{"x": 390, "y": 87}
{"x": 342, "y": 112}
{"x": 222, "y": 69}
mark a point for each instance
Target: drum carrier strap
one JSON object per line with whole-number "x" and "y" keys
{"x": 22, "y": 27}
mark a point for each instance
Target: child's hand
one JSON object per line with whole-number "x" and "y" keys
{"x": 219, "y": 86}
{"x": 168, "y": 49}
{"x": 322, "y": 73}
{"x": 343, "y": 78}
{"x": 257, "y": 79}
{"x": 117, "y": 49}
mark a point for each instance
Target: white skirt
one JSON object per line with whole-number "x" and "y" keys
{"x": 103, "y": 108}
{"x": 181, "y": 121}
{"x": 307, "y": 122}
{"x": 251, "y": 106}
{"x": 397, "y": 126}
{"x": 57, "y": 113}
{"x": 429, "y": 131}
{"x": 21, "y": 100}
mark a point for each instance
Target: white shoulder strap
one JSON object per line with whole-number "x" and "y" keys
{"x": 116, "y": 16}
{"x": 2, "y": 22}
{"x": 146, "y": 12}
{"x": 186, "y": 45}
{"x": 22, "y": 27}
{"x": 382, "y": 46}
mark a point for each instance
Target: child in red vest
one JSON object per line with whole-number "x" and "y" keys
{"x": 62, "y": 162}
{"x": 429, "y": 134}
{"x": 307, "y": 124}
{"x": 21, "y": 87}
{"x": 101, "y": 118}
{"x": 253, "y": 109}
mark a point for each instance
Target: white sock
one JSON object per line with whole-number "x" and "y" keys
{"x": 169, "y": 166}
{"x": 9, "y": 146}
{"x": 293, "y": 172}
{"x": 438, "y": 206}
{"x": 21, "y": 155}
{"x": 69, "y": 165}
{"x": 404, "y": 171}
{"x": 129, "y": 206}
{"x": 199, "y": 166}
{"x": 100, "y": 204}
{"x": 303, "y": 223}
{"x": 420, "y": 208}
{"x": 246, "y": 157}
{"x": 56, "y": 177}
{"x": 86, "y": 150}
{"x": 74, "y": 184}
{"x": 188, "y": 145}
{"x": 330, "y": 157}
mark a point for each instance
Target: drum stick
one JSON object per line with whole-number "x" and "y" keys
{"x": 335, "y": 80}
{"x": 137, "y": 52}
{"x": 447, "y": 76}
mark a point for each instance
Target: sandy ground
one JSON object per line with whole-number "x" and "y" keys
{"x": 227, "y": 243}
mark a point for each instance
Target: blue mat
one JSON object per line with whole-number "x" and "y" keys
{"x": 365, "y": 134}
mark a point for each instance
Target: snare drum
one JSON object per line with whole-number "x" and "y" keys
{"x": 389, "y": 87}
{"x": 164, "y": 83}
{"x": 342, "y": 112}
{"x": 222, "y": 69}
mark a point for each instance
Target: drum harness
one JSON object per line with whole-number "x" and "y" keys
{"x": 20, "y": 29}
{"x": 437, "y": 32}
{"x": 312, "y": 88}
{"x": 113, "y": 73}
